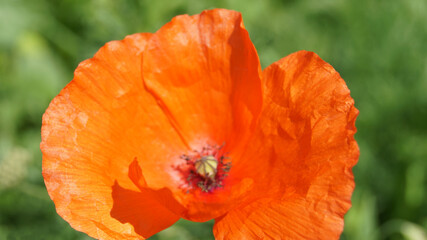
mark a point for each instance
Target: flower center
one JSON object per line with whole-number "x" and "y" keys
{"x": 206, "y": 168}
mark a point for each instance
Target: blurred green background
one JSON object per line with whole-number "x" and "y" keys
{"x": 379, "y": 48}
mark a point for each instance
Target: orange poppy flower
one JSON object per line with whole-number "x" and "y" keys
{"x": 183, "y": 123}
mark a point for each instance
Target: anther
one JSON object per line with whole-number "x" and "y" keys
{"x": 206, "y": 168}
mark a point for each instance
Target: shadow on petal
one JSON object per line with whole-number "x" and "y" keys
{"x": 163, "y": 196}
{"x": 140, "y": 209}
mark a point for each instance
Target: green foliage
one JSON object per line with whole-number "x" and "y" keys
{"x": 379, "y": 48}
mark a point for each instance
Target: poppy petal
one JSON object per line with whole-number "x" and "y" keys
{"x": 274, "y": 219}
{"x": 91, "y": 133}
{"x": 205, "y": 73}
{"x": 310, "y": 120}
{"x": 305, "y": 138}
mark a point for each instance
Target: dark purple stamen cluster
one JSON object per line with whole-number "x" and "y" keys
{"x": 207, "y": 184}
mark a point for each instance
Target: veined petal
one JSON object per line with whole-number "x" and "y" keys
{"x": 302, "y": 152}
{"x": 205, "y": 74}
{"x": 309, "y": 118}
{"x": 289, "y": 219}
{"x": 91, "y": 133}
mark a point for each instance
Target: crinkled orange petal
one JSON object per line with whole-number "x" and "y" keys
{"x": 274, "y": 219}
{"x": 205, "y": 74}
{"x": 91, "y": 133}
{"x": 205, "y": 71}
{"x": 303, "y": 151}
